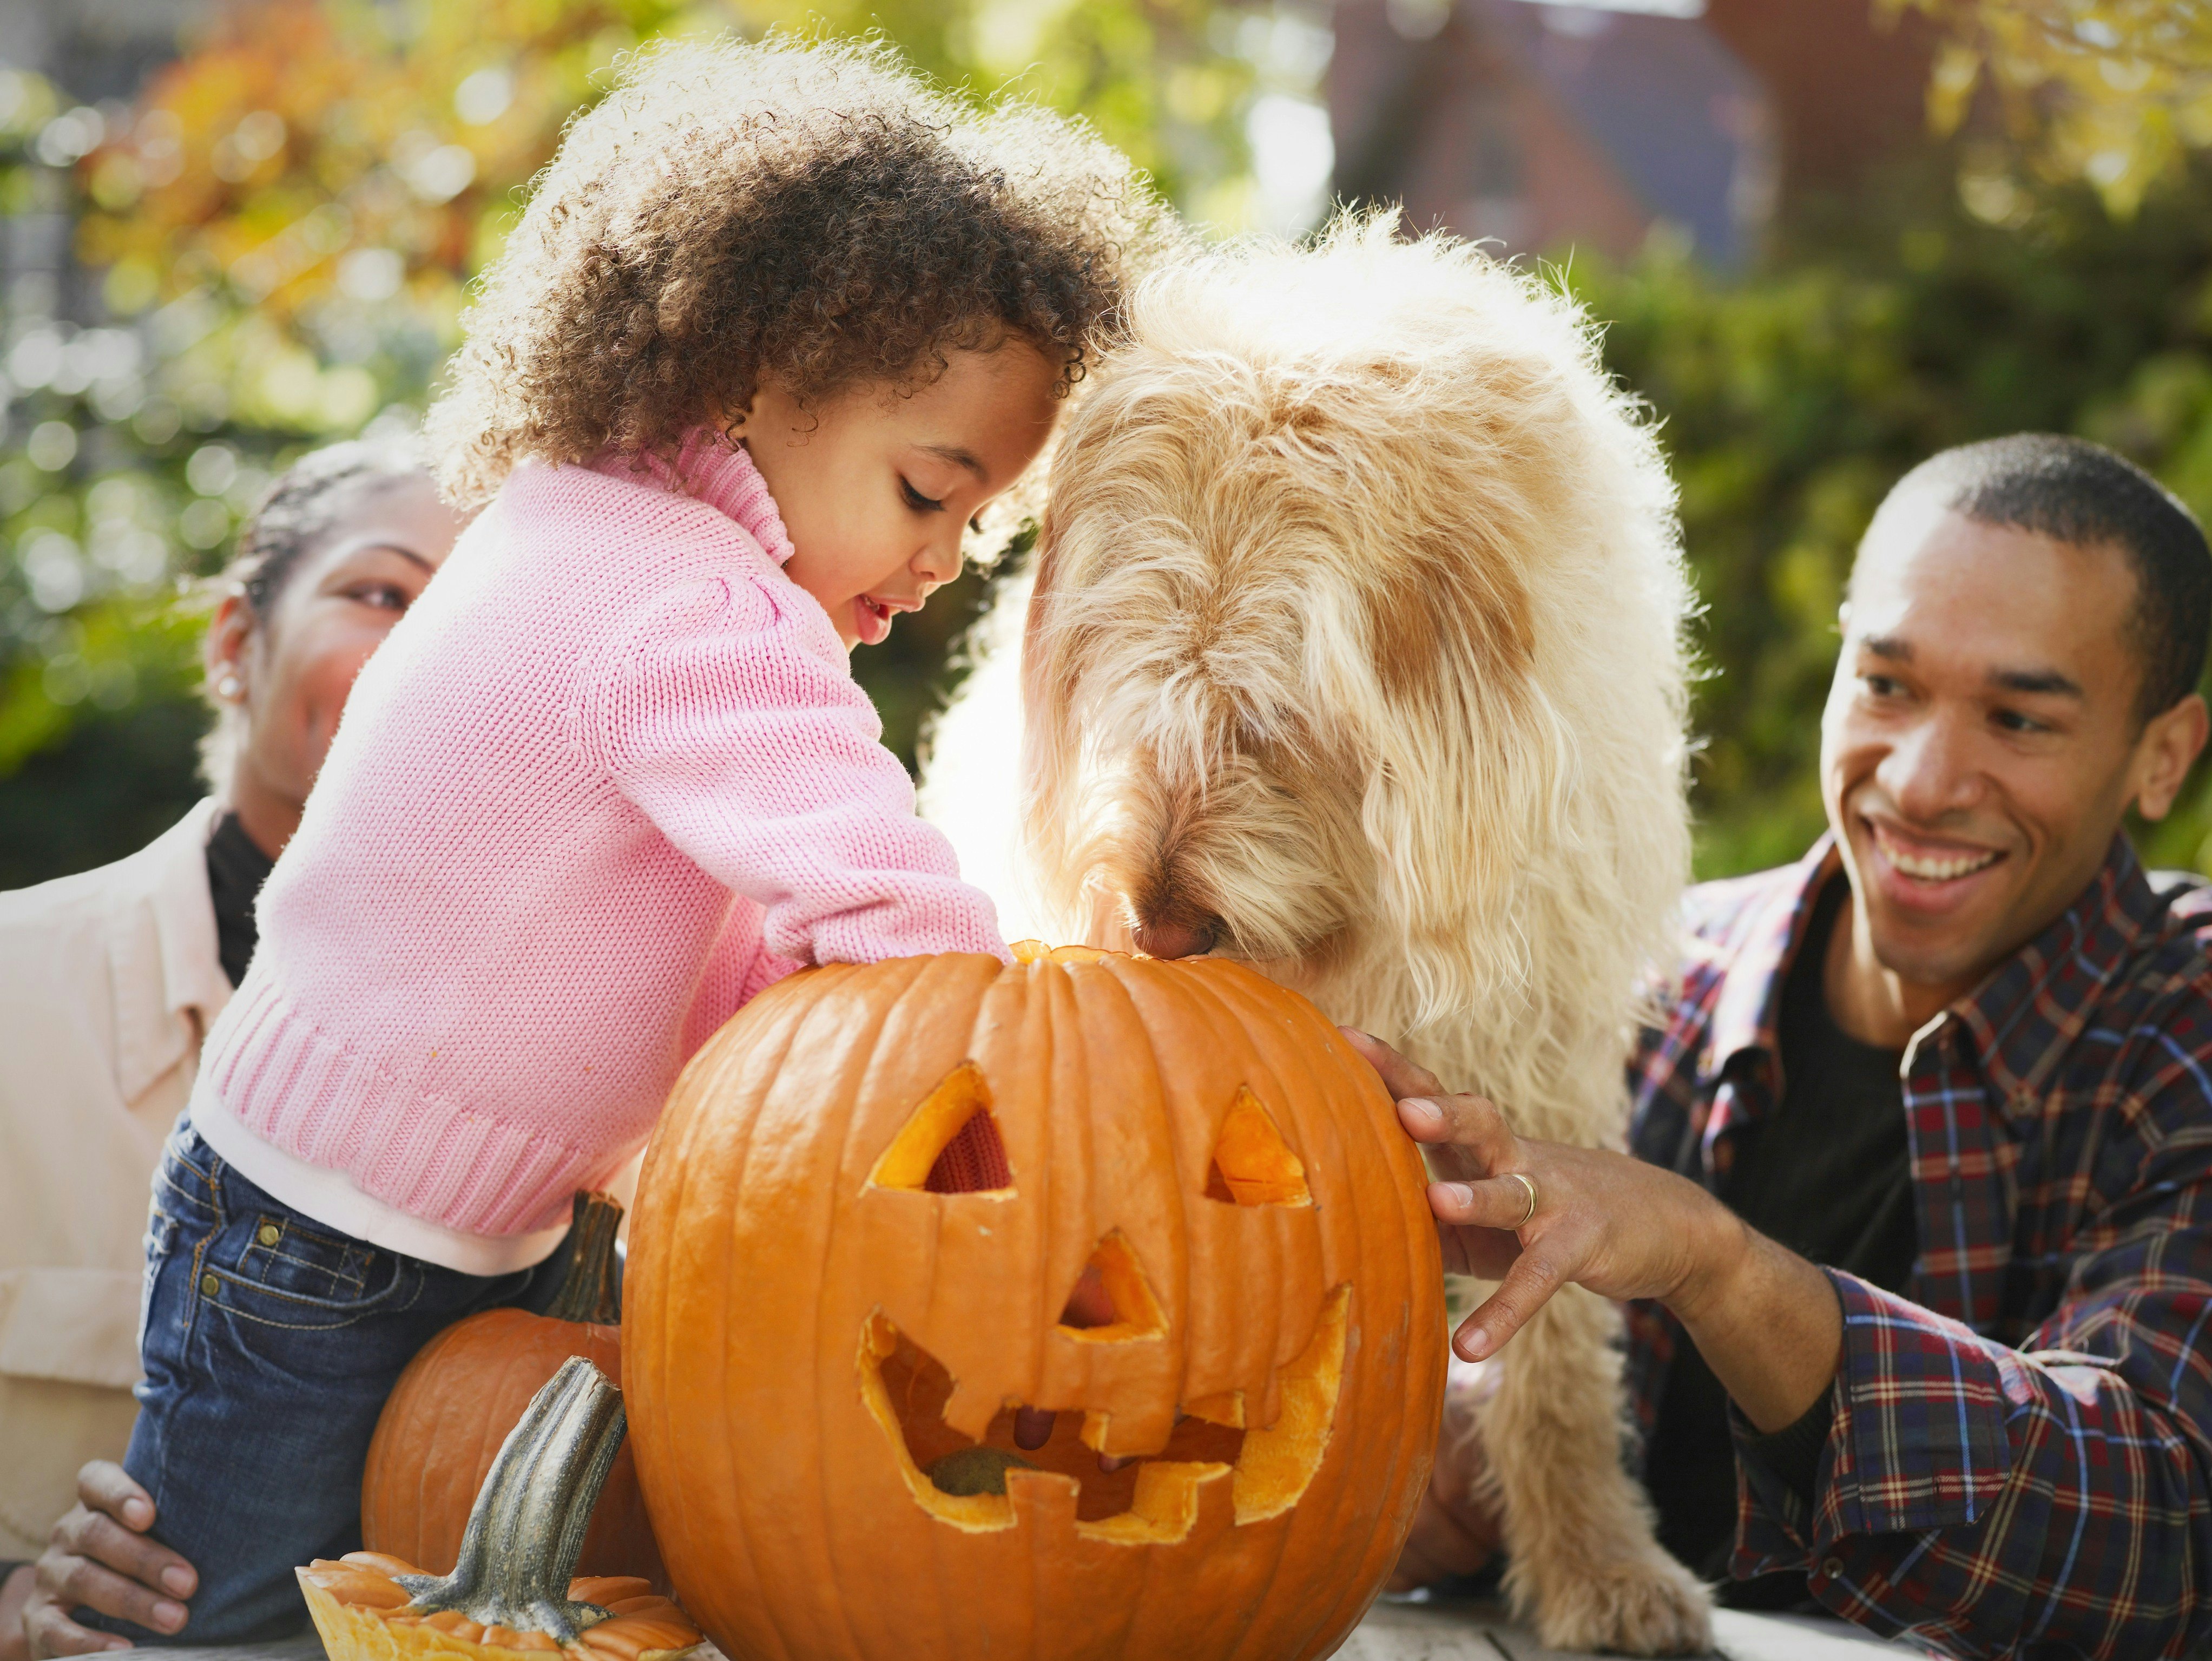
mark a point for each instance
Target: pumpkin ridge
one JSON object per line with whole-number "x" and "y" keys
{"x": 1060, "y": 1132}
{"x": 1119, "y": 1200}
{"x": 676, "y": 1149}
{"x": 738, "y": 1487}
{"x": 805, "y": 1031}
{"x": 1203, "y": 1008}
{"x": 1125, "y": 975}
{"x": 899, "y": 1007}
{"x": 859, "y": 1053}
{"x": 1377, "y": 1145}
{"x": 978, "y": 1037}
{"x": 1381, "y": 1146}
{"x": 1425, "y": 1264}
{"x": 733, "y": 1483}
{"x": 1224, "y": 982}
{"x": 1279, "y": 1558}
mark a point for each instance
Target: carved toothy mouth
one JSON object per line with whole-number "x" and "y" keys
{"x": 1148, "y": 1499}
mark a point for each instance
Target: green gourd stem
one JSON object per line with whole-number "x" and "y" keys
{"x": 589, "y": 1291}
{"x": 528, "y": 1526}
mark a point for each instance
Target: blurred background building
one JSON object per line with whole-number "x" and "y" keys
{"x": 1547, "y": 127}
{"x": 1543, "y": 127}
{"x": 1825, "y": 237}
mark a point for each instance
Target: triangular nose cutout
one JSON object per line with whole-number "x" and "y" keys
{"x": 1252, "y": 1163}
{"x": 951, "y": 1145}
{"x": 1112, "y": 1302}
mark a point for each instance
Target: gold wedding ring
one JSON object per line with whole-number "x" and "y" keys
{"x": 1529, "y": 1183}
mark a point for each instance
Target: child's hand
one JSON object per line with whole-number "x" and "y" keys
{"x": 101, "y": 1559}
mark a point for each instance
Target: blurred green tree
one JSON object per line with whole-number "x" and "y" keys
{"x": 284, "y": 227}
{"x": 283, "y": 230}
{"x": 2114, "y": 92}
{"x": 1792, "y": 399}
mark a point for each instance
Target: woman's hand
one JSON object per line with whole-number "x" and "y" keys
{"x": 1533, "y": 1215}
{"x": 100, "y": 1558}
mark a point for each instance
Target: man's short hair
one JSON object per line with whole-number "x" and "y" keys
{"x": 2081, "y": 493}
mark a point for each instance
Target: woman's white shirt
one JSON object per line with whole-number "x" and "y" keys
{"x": 108, "y": 980}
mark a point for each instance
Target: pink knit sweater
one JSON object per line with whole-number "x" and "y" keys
{"x": 609, "y": 777}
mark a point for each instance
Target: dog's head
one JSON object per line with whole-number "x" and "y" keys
{"x": 1358, "y": 609}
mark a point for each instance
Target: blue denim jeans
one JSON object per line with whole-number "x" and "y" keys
{"x": 270, "y": 1343}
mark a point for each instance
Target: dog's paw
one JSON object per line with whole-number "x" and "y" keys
{"x": 1646, "y": 1604}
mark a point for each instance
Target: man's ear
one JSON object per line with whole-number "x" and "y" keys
{"x": 2170, "y": 743}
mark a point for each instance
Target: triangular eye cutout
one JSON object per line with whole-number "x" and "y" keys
{"x": 1112, "y": 1303}
{"x": 951, "y": 1145}
{"x": 1252, "y": 1163}
{"x": 974, "y": 1162}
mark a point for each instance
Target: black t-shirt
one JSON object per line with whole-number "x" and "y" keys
{"x": 236, "y": 869}
{"x": 1828, "y": 1174}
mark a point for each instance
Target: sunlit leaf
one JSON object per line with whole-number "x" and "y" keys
{"x": 2112, "y": 92}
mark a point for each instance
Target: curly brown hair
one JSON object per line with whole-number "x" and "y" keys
{"x": 809, "y": 212}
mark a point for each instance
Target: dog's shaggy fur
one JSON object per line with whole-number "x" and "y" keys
{"x": 1356, "y": 640}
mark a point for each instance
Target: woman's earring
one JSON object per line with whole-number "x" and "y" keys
{"x": 230, "y": 688}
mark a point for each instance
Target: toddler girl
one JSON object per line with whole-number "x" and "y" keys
{"x": 777, "y": 324}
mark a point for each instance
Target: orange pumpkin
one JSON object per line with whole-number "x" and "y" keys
{"x": 446, "y": 1418}
{"x": 360, "y": 1610}
{"x": 511, "y": 1596}
{"x": 1086, "y": 1308}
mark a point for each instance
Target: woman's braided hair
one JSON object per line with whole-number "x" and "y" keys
{"x": 809, "y": 213}
{"x": 301, "y": 509}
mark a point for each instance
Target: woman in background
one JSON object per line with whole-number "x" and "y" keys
{"x": 109, "y": 979}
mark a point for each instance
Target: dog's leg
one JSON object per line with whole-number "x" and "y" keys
{"x": 1583, "y": 1565}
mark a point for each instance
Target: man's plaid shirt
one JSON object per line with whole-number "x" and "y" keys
{"x": 2020, "y": 1457}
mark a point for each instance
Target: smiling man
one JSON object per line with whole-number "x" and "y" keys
{"x": 1920, "y": 1236}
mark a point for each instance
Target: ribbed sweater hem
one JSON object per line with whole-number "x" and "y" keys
{"x": 281, "y": 1080}
{"x": 330, "y": 1198}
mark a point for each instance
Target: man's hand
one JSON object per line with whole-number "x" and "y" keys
{"x": 1457, "y": 1529}
{"x": 1766, "y": 1321}
{"x": 101, "y": 1559}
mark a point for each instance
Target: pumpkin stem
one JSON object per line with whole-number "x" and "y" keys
{"x": 527, "y": 1525}
{"x": 590, "y": 1291}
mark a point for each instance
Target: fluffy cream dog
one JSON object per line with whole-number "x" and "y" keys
{"x": 1355, "y": 651}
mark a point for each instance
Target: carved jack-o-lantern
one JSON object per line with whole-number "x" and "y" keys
{"x": 1082, "y": 1308}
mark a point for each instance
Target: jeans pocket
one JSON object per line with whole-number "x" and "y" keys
{"x": 285, "y": 1256}
{"x": 305, "y": 1288}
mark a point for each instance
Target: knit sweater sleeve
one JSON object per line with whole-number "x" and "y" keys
{"x": 726, "y": 713}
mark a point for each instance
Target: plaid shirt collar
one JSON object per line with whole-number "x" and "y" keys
{"x": 2020, "y": 1020}
{"x": 1744, "y": 1037}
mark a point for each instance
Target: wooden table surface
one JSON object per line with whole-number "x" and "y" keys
{"x": 1483, "y": 1632}
{"x": 1391, "y": 1631}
